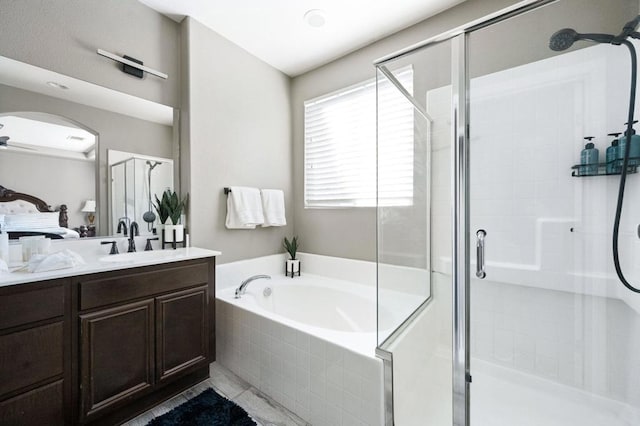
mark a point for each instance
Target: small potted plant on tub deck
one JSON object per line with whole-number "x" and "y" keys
{"x": 293, "y": 264}
{"x": 171, "y": 207}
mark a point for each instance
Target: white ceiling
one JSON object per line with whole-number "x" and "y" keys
{"x": 275, "y": 30}
{"x": 45, "y": 134}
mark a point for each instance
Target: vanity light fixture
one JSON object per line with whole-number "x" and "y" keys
{"x": 57, "y": 85}
{"x": 132, "y": 66}
{"x": 315, "y": 18}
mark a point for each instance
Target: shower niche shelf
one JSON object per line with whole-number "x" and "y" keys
{"x": 580, "y": 170}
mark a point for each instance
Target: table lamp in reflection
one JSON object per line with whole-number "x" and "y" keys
{"x": 90, "y": 209}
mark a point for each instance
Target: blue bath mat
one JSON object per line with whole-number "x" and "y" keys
{"x": 209, "y": 409}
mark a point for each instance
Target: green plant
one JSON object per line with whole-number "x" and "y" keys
{"x": 291, "y": 246}
{"x": 170, "y": 206}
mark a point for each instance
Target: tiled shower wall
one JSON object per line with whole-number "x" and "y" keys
{"x": 551, "y": 304}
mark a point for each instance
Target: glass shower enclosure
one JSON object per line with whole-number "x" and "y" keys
{"x": 498, "y": 299}
{"x": 134, "y": 182}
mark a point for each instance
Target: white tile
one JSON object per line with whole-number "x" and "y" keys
{"x": 318, "y": 367}
{"x": 289, "y": 335}
{"x": 302, "y": 341}
{"x": 334, "y": 395}
{"x": 318, "y": 411}
{"x": 318, "y": 387}
{"x": 354, "y": 363}
{"x": 316, "y": 347}
{"x": 504, "y": 346}
{"x": 352, "y": 383}
{"x": 303, "y": 359}
{"x": 334, "y": 415}
{"x": 547, "y": 366}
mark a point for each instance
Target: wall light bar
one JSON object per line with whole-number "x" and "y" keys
{"x": 132, "y": 64}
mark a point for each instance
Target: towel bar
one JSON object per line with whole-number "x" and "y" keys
{"x": 227, "y": 191}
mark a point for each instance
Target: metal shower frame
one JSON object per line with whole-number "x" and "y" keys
{"x": 461, "y": 272}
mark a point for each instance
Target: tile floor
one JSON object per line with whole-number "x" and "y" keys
{"x": 260, "y": 407}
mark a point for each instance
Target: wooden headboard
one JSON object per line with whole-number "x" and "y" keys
{"x": 25, "y": 203}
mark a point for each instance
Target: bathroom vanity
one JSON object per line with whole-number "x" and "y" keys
{"x": 105, "y": 341}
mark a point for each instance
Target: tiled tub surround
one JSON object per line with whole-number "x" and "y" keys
{"x": 327, "y": 374}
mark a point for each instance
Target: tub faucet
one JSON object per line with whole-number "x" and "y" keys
{"x": 133, "y": 231}
{"x": 243, "y": 287}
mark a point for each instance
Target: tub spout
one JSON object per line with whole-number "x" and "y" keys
{"x": 243, "y": 287}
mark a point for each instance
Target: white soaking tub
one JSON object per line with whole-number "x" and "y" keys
{"x": 308, "y": 342}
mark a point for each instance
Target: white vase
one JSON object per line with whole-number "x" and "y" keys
{"x": 293, "y": 267}
{"x": 168, "y": 233}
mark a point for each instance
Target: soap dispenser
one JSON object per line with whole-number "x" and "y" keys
{"x": 589, "y": 158}
{"x": 613, "y": 165}
{"x": 634, "y": 147}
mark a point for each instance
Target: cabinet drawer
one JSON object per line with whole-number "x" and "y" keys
{"x": 41, "y": 406}
{"x": 22, "y": 304}
{"x": 30, "y": 356}
{"x": 122, "y": 287}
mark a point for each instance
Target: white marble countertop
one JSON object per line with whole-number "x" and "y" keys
{"x": 98, "y": 261}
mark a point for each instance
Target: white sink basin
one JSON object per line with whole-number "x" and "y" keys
{"x": 141, "y": 256}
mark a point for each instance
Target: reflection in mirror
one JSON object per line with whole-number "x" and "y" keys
{"x": 135, "y": 182}
{"x": 79, "y": 177}
{"x": 60, "y": 154}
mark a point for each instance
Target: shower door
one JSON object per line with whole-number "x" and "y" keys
{"x": 414, "y": 222}
{"x": 554, "y": 336}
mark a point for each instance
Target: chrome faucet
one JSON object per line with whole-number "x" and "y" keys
{"x": 243, "y": 287}
{"x": 133, "y": 232}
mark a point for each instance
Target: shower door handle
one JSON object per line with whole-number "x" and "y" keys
{"x": 480, "y": 273}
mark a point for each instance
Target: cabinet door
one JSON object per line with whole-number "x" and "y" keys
{"x": 181, "y": 332}
{"x": 116, "y": 356}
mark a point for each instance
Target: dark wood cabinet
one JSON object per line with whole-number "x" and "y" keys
{"x": 40, "y": 406}
{"x": 101, "y": 348}
{"x": 143, "y": 332}
{"x": 116, "y": 356}
{"x": 181, "y": 330}
{"x": 35, "y": 369}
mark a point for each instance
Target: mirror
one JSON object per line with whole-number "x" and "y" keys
{"x": 60, "y": 131}
{"x": 48, "y": 143}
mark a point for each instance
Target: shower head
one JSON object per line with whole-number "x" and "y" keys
{"x": 564, "y": 39}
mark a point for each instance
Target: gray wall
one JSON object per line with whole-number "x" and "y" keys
{"x": 49, "y": 178}
{"x": 64, "y": 35}
{"x": 351, "y": 233}
{"x": 236, "y": 117}
{"x": 115, "y": 131}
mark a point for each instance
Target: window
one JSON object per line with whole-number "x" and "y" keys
{"x": 340, "y": 146}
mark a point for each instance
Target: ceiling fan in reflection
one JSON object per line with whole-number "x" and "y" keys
{"x": 4, "y": 144}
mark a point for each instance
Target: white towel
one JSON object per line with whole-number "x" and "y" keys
{"x": 54, "y": 261}
{"x": 273, "y": 207}
{"x": 244, "y": 208}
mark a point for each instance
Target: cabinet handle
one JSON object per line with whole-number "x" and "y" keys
{"x": 480, "y": 272}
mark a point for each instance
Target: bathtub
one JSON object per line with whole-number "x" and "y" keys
{"x": 307, "y": 342}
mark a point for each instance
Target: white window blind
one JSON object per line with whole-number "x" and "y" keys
{"x": 340, "y": 146}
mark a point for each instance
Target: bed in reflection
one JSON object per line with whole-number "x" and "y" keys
{"x": 26, "y": 215}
